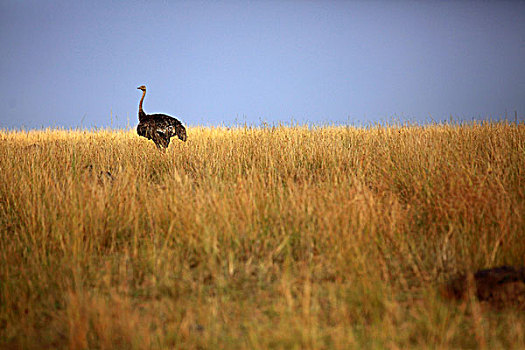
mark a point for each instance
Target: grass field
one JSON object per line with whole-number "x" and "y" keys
{"x": 254, "y": 238}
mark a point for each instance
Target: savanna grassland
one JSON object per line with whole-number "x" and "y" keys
{"x": 254, "y": 238}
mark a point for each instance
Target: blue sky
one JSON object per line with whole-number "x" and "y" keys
{"x": 78, "y": 63}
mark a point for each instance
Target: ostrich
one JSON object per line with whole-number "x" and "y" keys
{"x": 158, "y": 127}
{"x": 499, "y": 287}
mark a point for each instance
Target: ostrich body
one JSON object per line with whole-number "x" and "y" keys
{"x": 159, "y": 128}
{"x": 499, "y": 287}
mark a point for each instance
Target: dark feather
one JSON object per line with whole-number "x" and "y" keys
{"x": 499, "y": 287}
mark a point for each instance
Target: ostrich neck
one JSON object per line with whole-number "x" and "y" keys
{"x": 141, "y": 111}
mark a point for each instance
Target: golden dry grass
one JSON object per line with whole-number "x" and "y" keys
{"x": 283, "y": 237}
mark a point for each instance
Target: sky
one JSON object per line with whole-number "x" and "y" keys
{"x": 77, "y": 64}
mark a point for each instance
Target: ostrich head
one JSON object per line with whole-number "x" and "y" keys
{"x": 142, "y": 87}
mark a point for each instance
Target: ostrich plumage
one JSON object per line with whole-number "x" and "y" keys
{"x": 499, "y": 287}
{"x": 159, "y": 128}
